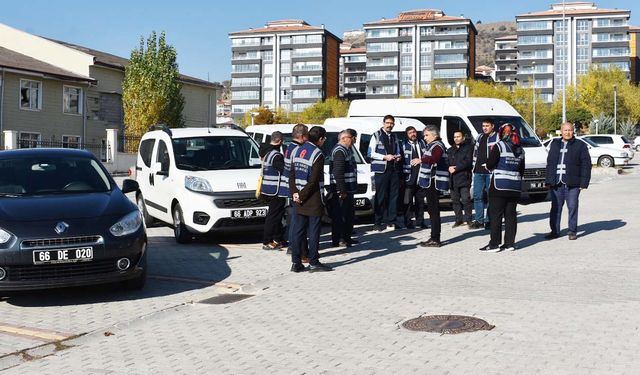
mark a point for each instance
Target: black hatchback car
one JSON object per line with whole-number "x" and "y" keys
{"x": 64, "y": 222}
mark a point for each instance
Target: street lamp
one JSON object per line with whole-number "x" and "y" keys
{"x": 615, "y": 109}
{"x": 565, "y": 63}
{"x": 533, "y": 79}
{"x": 596, "y": 121}
{"x": 253, "y": 115}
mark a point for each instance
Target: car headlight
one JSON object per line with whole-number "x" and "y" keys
{"x": 130, "y": 223}
{"x": 5, "y": 236}
{"x": 197, "y": 184}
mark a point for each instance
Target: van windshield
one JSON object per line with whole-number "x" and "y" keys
{"x": 527, "y": 138}
{"x": 215, "y": 153}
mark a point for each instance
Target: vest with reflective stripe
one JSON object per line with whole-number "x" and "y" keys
{"x": 440, "y": 171}
{"x": 270, "y": 175}
{"x": 284, "y": 179}
{"x": 350, "y": 172}
{"x": 379, "y": 166}
{"x": 491, "y": 140}
{"x": 303, "y": 159}
{"x": 408, "y": 152}
{"x": 506, "y": 175}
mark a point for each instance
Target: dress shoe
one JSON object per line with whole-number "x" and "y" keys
{"x": 457, "y": 224}
{"x": 490, "y": 249}
{"x": 319, "y": 267}
{"x": 352, "y": 241}
{"x": 304, "y": 259}
{"x": 572, "y": 236}
{"x": 551, "y": 235}
{"x": 430, "y": 243}
{"x": 487, "y": 226}
{"x": 283, "y": 243}
{"x": 273, "y": 245}
{"x": 298, "y": 267}
{"x": 475, "y": 225}
{"x": 410, "y": 226}
{"x": 424, "y": 226}
{"x": 379, "y": 227}
{"x": 341, "y": 244}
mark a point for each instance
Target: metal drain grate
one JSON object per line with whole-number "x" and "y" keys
{"x": 226, "y": 298}
{"x": 447, "y": 324}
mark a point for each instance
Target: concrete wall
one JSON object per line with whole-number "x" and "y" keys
{"x": 200, "y": 105}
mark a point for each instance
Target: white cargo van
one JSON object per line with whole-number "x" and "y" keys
{"x": 363, "y": 199}
{"x": 466, "y": 114}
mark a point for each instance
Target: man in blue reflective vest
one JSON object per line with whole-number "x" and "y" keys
{"x": 343, "y": 175}
{"x": 307, "y": 188}
{"x": 434, "y": 177}
{"x": 272, "y": 170}
{"x": 481, "y": 175}
{"x": 384, "y": 153}
{"x": 299, "y": 135}
{"x": 413, "y": 148}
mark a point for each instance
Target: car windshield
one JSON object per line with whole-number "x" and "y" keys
{"x": 215, "y": 153}
{"x": 527, "y": 138}
{"x": 44, "y": 175}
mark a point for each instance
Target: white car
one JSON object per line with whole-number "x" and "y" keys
{"x": 636, "y": 143}
{"x": 199, "y": 180}
{"x": 600, "y": 155}
{"x": 619, "y": 142}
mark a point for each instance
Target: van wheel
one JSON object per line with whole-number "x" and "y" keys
{"x": 180, "y": 231}
{"x": 148, "y": 219}
{"x": 605, "y": 161}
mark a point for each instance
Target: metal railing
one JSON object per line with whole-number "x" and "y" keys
{"x": 129, "y": 144}
{"x": 100, "y": 150}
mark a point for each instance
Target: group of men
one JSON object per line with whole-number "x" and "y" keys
{"x": 413, "y": 169}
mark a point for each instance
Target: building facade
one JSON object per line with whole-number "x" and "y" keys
{"x": 415, "y": 49}
{"x": 287, "y": 64}
{"x": 561, "y": 43}
{"x": 353, "y": 72}
{"x": 634, "y": 50}
{"x": 506, "y": 60}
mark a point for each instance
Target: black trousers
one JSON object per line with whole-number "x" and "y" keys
{"x": 385, "y": 203}
{"x": 500, "y": 207}
{"x": 414, "y": 204}
{"x": 342, "y": 213}
{"x": 433, "y": 208}
{"x": 461, "y": 200}
{"x": 273, "y": 230}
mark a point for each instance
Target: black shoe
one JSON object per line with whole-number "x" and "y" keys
{"x": 379, "y": 227}
{"x": 457, "y": 224}
{"x": 551, "y": 235}
{"x": 430, "y": 243}
{"x": 475, "y": 225}
{"x": 507, "y": 248}
{"x": 398, "y": 226}
{"x": 410, "y": 226}
{"x": 487, "y": 226}
{"x": 298, "y": 267}
{"x": 273, "y": 245}
{"x": 572, "y": 236}
{"x": 319, "y": 267}
{"x": 424, "y": 226}
{"x": 490, "y": 249}
{"x": 344, "y": 244}
{"x": 352, "y": 241}
{"x": 283, "y": 243}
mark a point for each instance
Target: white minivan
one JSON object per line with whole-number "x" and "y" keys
{"x": 363, "y": 199}
{"x": 199, "y": 180}
{"x": 466, "y": 114}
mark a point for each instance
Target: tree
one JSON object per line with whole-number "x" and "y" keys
{"x": 151, "y": 89}
{"x": 320, "y": 111}
{"x": 262, "y": 116}
{"x": 595, "y": 90}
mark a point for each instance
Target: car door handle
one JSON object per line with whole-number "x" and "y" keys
{"x": 151, "y": 179}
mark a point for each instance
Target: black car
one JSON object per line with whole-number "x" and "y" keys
{"x": 64, "y": 222}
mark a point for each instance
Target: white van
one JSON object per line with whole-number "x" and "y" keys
{"x": 363, "y": 199}
{"x": 199, "y": 180}
{"x": 466, "y": 114}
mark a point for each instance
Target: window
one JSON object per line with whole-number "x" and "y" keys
{"x": 406, "y": 31}
{"x": 299, "y": 107}
{"x": 382, "y": 61}
{"x": 242, "y": 108}
{"x": 29, "y": 140}
{"x": 267, "y": 55}
{"x": 406, "y": 90}
{"x": 605, "y": 52}
{"x": 285, "y": 95}
{"x": 424, "y": 31}
{"x": 266, "y": 41}
{"x": 602, "y": 140}
{"x": 384, "y": 89}
{"x": 240, "y": 82}
{"x": 285, "y": 68}
{"x": 534, "y": 39}
{"x": 245, "y": 42}
{"x": 426, "y": 61}
{"x": 285, "y": 81}
{"x": 245, "y": 68}
{"x": 307, "y": 66}
{"x": 382, "y": 47}
{"x": 534, "y": 25}
{"x": 71, "y": 100}
{"x": 406, "y": 47}
{"x": 355, "y": 59}
{"x": 267, "y": 82}
{"x": 308, "y": 93}
{"x": 246, "y": 55}
{"x": 582, "y": 53}
{"x": 582, "y": 25}
{"x": 245, "y": 95}
{"x": 455, "y": 124}
{"x": 537, "y": 54}
{"x": 450, "y": 73}
{"x": 382, "y": 75}
{"x": 70, "y": 141}
{"x": 448, "y": 59}
{"x": 382, "y": 33}
{"x": 30, "y": 95}
{"x": 425, "y": 75}
{"x": 285, "y": 40}
{"x": 146, "y": 149}
{"x": 582, "y": 39}
{"x": 406, "y": 76}
{"x": 285, "y": 55}
{"x": 406, "y": 61}
{"x": 267, "y": 68}
{"x": 426, "y": 47}
{"x": 307, "y": 52}
{"x": 307, "y": 80}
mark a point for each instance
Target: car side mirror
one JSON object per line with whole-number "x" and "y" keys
{"x": 129, "y": 186}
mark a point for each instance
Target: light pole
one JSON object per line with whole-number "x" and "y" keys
{"x": 596, "y": 121}
{"x": 533, "y": 79}
{"x": 253, "y": 115}
{"x": 565, "y": 63}
{"x": 615, "y": 109}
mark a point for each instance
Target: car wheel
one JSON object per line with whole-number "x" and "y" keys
{"x": 606, "y": 161}
{"x": 148, "y": 219}
{"x": 136, "y": 283}
{"x": 180, "y": 231}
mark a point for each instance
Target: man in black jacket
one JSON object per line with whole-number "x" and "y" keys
{"x": 568, "y": 172}
{"x": 343, "y": 175}
{"x": 460, "y": 162}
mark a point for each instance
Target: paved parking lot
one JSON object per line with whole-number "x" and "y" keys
{"x": 558, "y": 306}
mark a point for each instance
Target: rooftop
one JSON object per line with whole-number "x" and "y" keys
{"x": 573, "y": 8}
{"x": 14, "y": 60}
{"x": 416, "y": 16}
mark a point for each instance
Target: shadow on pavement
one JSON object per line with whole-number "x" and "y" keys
{"x": 583, "y": 231}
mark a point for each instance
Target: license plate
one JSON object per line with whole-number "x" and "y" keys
{"x": 360, "y": 202}
{"x": 246, "y": 214}
{"x": 535, "y": 185}
{"x": 55, "y": 256}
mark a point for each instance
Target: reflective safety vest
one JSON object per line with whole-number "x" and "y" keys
{"x": 303, "y": 159}
{"x": 440, "y": 171}
{"x": 407, "y": 153}
{"x": 506, "y": 175}
{"x": 270, "y": 175}
{"x": 350, "y": 171}
{"x": 284, "y": 179}
{"x": 491, "y": 140}
{"x": 379, "y": 166}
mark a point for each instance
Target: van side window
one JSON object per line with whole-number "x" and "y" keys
{"x": 454, "y": 124}
{"x": 146, "y": 150}
{"x": 162, "y": 156}
{"x": 364, "y": 144}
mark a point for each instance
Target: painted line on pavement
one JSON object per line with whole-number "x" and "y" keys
{"x": 33, "y": 333}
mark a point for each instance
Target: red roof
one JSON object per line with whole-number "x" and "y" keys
{"x": 415, "y": 16}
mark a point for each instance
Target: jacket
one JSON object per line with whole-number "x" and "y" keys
{"x": 577, "y": 163}
{"x": 461, "y": 158}
{"x": 310, "y": 190}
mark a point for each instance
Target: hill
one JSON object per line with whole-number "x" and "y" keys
{"x": 487, "y": 33}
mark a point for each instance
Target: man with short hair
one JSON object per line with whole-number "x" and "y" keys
{"x": 306, "y": 183}
{"x": 568, "y": 172}
{"x": 343, "y": 175}
{"x": 481, "y": 175}
{"x": 413, "y": 148}
{"x": 384, "y": 152}
{"x": 460, "y": 158}
{"x": 299, "y": 135}
{"x": 272, "y": 170}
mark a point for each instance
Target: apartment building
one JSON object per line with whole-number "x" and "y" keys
{"x": 634, "y": 50}
{"x": 286, "y": 64}
{"x": 353, "y": 72}
{"x": 506, "y": 60}
{"x": 416, "y": 48}
{"x": 561, "y": 43}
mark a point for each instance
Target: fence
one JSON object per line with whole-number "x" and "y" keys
{"x": 100, "y": 150}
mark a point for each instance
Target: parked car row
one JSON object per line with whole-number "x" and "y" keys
{"x": 602, "y": 156}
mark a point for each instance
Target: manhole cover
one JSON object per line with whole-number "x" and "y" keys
{"x": 449, "y": 324}
{"x": 225, "y": 298}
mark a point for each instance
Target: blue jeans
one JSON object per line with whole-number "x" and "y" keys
{"x": 304, "y": 227}
{"x": 480, "y": 185}
{"x": 560, "y": 195}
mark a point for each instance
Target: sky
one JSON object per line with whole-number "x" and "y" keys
{"x": 199, "y": 29}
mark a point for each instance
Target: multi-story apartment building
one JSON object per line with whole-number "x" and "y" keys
{"x": 564, "y": 48}
{"x": 506, "y": 60}
{"x": 353, "y": 72}
{"x": 634, "y": 51}
{"x": 286, "y": 64}
{"x": 416, "y": 48}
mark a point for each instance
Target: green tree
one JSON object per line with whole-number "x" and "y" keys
{"x": 320, "y": 111}
{"x": 595, "y": 90}
{"x": 262, "y": 116}
{"x": 151, "y": 89}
